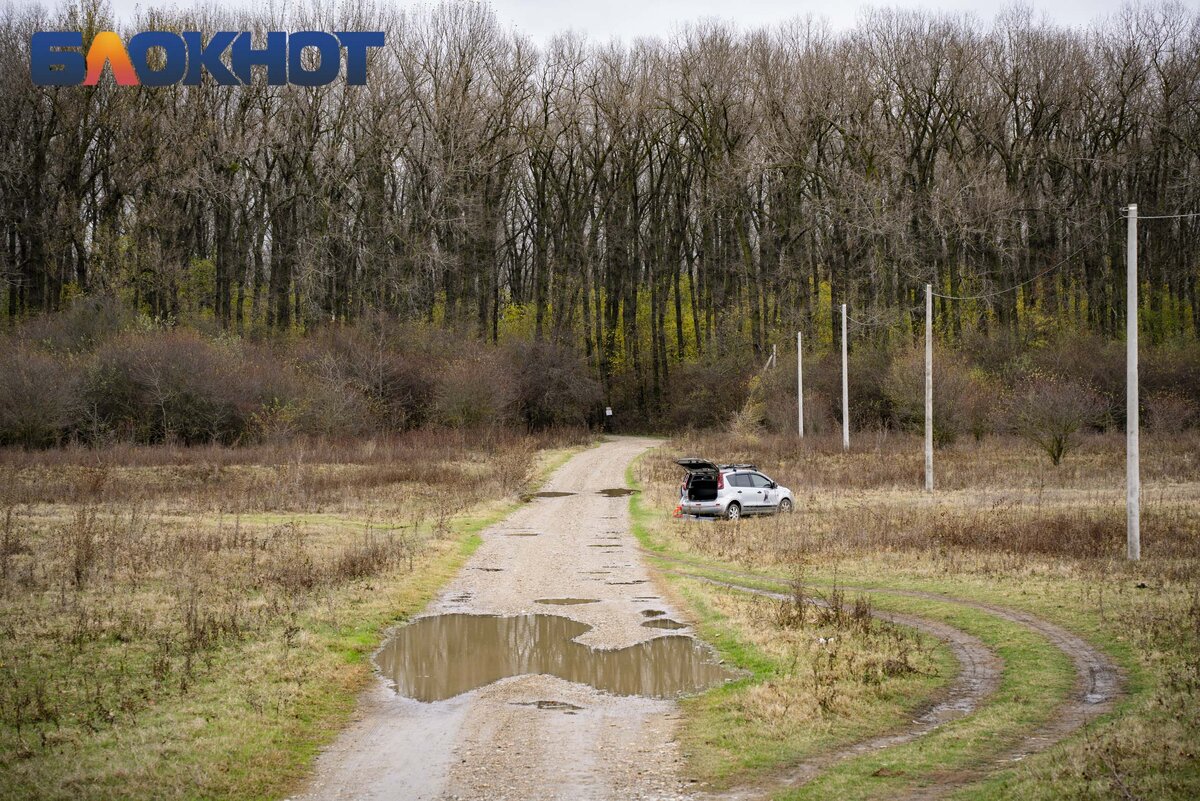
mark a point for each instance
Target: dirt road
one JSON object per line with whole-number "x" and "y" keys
{"x": 530, "y": 736}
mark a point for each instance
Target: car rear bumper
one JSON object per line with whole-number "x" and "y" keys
{"x": 702, "y": 508}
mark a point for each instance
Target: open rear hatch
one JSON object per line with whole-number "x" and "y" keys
{"x": 702, "y": 478}
{"x": 697, "y": 466}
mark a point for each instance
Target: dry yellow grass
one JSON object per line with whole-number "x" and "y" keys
{"x": 1004, "y": 527}
{"x": 192, "y": 624}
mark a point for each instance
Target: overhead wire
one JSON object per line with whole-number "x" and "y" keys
{"x": 1042, "y": 274}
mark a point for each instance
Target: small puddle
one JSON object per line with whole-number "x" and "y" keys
{"x": 623, "y": 583}
{"x": 489, "y": 569}
{"x": 616, "y": 492}
{"x": 522, "y": 534}
{"x": 664, "y": 623}
{"x": 652, "y": 613}
{"x": 529, "y": 496}
{"x": 566, "y": 601}
{"x": 438, "y": 657}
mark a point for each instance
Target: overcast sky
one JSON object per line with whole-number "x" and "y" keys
{"x": 627, "y": 19}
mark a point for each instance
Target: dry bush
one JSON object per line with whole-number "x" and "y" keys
{"x": 1085, "y": 360}
{"x": 552, "y": 385}
{"x": 39, "y": 397}
{"x": 1051, "y": 411}
{"x": 89, "y": 321}
{"x": 392, "y": 367}
{"x": 164, "y": 386}
{"x": 473, "y": 392}
{"x": 707, "y": 394}
{"x": 962, "y": 403}
{"x": 1170, "y": 413}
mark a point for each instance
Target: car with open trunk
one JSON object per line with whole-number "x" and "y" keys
{"x": 730, "y": 490}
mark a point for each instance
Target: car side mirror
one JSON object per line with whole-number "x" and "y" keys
{"x": 773, "y": 485}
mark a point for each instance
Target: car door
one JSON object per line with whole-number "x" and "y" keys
{"x": 743, "y": 493}
{"x": 765, "y": 496}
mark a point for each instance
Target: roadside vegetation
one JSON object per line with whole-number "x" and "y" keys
{"x": 193, "y": 622}
{"x": 1006, "y": 527}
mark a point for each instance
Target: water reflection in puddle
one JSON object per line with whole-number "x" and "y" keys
{"x": 439, "y": 657}
{"x": 616, "y": 492}
{"x": 664, "y": 623}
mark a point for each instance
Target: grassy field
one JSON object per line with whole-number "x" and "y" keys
{"x": 1006, "y": 529}
{"x": 193, "y": 622}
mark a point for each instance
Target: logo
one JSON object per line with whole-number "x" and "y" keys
{"x": 163, "y": 58}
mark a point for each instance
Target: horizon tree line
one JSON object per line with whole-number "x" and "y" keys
{"x": 650, "y": 203}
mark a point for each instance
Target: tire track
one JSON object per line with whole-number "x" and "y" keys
{"x": 1099, "y": 682}
{"x": 977, "y": 679}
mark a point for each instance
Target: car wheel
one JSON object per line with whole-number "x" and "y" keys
{"x": 733, "y": 511}
{"x": 785, "y": 506}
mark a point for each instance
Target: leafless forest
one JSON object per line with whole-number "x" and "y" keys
{"x": 647, "y": 205}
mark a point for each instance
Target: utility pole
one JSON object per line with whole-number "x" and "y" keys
{"x": 929, "y": 387}
{"x": 845, "y": 388}
{"x": 1133, "y": 532}
{"x": 800, "y": 382}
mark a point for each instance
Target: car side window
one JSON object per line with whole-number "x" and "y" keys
{"x": 741, "y": 480}
{"x": 759, "y": 481}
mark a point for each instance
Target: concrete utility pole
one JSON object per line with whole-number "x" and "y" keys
{"x": 800, "y": 382}
{"x": 929, "y": 387}
{"x": 845, "y": 388}
{"x": 1133, "y": 533}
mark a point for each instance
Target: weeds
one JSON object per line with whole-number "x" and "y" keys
{"x": 155, "y": 585}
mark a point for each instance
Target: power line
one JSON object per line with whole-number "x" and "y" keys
{"x": 1042, "y": 274}
{"x": 1165, "y": 216}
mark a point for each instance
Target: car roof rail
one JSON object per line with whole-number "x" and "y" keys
{"x": 738, "y": 467}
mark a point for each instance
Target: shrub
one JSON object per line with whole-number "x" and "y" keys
{"x": 396, "y": 383}
{"x": 1169, "y": 413}
{"x": 89, "y": 321}
{"x": 707, "y": 393}
{"x": 38, "y": 398}
{"x": 960, "y": 401}
{"x": 474, "y": 391}
{"x": 164, "y": 386}
{"x": 552, "y": 385}
{"x": 1049, "y": 411}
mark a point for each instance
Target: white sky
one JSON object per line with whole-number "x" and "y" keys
{"x": 628, "y": 19}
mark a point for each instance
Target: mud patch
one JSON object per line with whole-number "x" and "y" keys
{"x": 522, "y": 534}
{"x": 489, "y": 569}
{"x": 664, "y": 623}
{"x": 625, "y": 583}
{"x": 566, "y": 601}
{"x": 438, "y": 657}
{"x": 616, "y": 492}
{"x": 557, "y": 706}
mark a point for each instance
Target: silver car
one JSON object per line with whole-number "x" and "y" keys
{"x": 730, "y": 491}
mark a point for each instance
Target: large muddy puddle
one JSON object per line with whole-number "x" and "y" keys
{"x": 439, "y": 657}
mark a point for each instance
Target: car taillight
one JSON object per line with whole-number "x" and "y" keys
{"x": 720, "y": 481}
